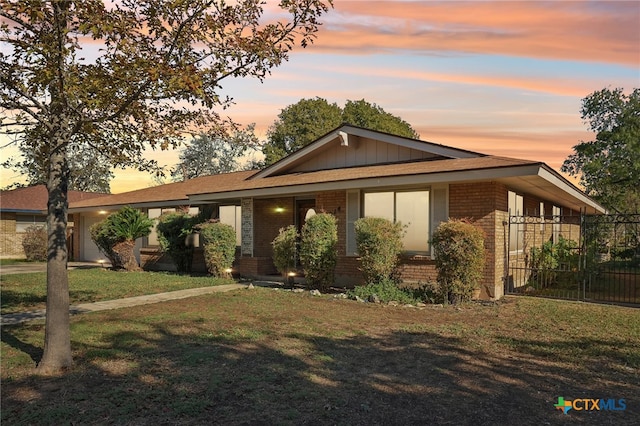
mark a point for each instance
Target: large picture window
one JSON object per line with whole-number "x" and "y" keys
{"x": 411, "y": 208}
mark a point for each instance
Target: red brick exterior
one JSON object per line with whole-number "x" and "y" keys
{"x": 483, "y": 203}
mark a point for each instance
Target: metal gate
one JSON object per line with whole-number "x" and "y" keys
{"x": 580, "y": 257}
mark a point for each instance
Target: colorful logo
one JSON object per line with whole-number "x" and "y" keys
{"x": 590, "y": 404}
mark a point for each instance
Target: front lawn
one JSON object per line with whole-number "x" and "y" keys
{"x": 273, "y": 357}
{"x": 22, "y": 292}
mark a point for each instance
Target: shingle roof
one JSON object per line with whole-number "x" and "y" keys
{"x": 176, "y": 192}
{"x": 34, "y": 198}
{"x": 239, "y": 181}
{"x": 365, "y": 172}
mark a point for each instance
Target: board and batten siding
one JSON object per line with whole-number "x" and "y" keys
{"x": 360, "y": 152}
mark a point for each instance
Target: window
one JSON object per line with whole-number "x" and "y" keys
{"x": 25, "y": 221}
{"x": 557, "y": 219}
{"x": 152, "y": 239}
{"x": 232, "y": 215}
{"x": 411, "y": 208}
{"x": 516, "y": 205}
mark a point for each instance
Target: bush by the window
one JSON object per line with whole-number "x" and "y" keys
{"x": 34, "y": 243}
{"x": 379, "y": 243}
{"x": 173, "y": 229}
{"x": 459, "y": 253}
{"x": 115, "y": 236}
{"x": 219, "y": 247}
{"x": 318, "y": 253}
{"x": 284, "y": 249}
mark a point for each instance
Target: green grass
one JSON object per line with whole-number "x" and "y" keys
{"x": 22, "y": 292}
{"x": 273, "y": 357}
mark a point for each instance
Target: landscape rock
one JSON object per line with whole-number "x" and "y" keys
{"x": 421, "y": 305}
{"x": 297, "y": 290}
{"x": 340, "y": 296}
{"x": 250, "y": 287}
{"x": 360, "y": 299}
{"x": 373, "y": 298}
{"x": 315, "y": 293}
{"x": 393, "y": 303}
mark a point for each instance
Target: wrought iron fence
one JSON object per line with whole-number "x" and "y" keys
{"x": 581, "y": 257}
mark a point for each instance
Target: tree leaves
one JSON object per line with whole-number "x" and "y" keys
{"x": 609, "y": 166}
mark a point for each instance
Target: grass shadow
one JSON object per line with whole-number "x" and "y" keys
{"x": 158, "y": 373}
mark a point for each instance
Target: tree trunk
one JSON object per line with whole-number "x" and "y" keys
{"x": 57, "y": 335}
{"x": 57, "y": 339}
{"x": 126, "y": 257}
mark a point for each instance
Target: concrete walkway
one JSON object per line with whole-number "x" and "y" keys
{"x": 21, "y": 317}
{"x": 29, "y": 267}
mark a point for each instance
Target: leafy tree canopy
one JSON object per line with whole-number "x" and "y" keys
{"x": 152, "y": 77}
{"x": 609, "y": 166}
{"x": 208, "y": 156}
{"x": 301, "y": 123}
{"x": 89, "y": 170}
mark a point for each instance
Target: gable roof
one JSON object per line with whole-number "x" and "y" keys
{"x": 348, "y": 134}
{"x": 291, "y": 176}
{"x": 33, "y": 199}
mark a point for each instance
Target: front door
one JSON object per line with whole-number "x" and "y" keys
{"x": 303, "y": 208}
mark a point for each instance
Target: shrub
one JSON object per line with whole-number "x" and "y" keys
{"x": 284, "y": 249}
{"x": 173, "y": 229}
{"x": 115, "y": 236}
{"x": 219, "y": 247}
{"x": 379, "y": 244}
{"x": 34, "y": 243}
{"x": 318, "y": 254}
{"x": 459, "y": 253}
{"x": 386, "y": 290}
{"x": 548, "y": 261}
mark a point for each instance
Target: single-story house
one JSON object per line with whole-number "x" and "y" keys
{"x": 353, "y": 172}
{"x": 24, "y": 207}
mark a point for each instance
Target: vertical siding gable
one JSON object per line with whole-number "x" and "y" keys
{"x": 360, "y": 152}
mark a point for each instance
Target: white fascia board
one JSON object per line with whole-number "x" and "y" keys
{"x": 567, "y": 187}
{"x": 376, "y": 182}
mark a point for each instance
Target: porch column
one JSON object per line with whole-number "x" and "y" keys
{"x": 247, "y": 227}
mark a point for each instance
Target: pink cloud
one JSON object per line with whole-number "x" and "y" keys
{"x": 584, "y": 31}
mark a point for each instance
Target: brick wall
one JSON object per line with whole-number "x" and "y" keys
{"x": 268, "y": 217}
{"x": 483, "y": 203}
{"x": 10, "y": 242}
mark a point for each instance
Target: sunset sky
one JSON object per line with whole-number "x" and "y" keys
{"x": 499, "y": 77}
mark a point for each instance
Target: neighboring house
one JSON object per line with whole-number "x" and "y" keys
{"x": 352, "y": 172}
{"x": 24, "y": 207}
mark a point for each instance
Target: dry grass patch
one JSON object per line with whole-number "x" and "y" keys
{"x": 266, "y": 357}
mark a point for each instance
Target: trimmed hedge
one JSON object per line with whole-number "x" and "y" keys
{"x": 34, "y": 243}
{"x": 379, "y": 243}
{"x": 219, "y": 247}
{"x": 459, "y": 251}
{"x": 284, "y": 249}
{"x": 318, "y": 250}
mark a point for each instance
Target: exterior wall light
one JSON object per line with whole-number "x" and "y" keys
{"x": 279, "y": 210}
